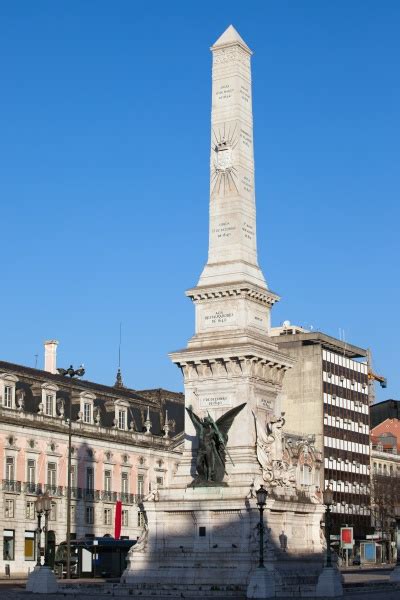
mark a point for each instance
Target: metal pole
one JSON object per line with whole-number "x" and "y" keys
{"x": 68, "y": 574}
{"x": 328, "y": 536}
{"x": 39, "y": 530}
{"x": 261, "y": 526}
{"x": 46, "y": 538}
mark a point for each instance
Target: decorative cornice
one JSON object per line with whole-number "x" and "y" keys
{"x": 233, "y": 290}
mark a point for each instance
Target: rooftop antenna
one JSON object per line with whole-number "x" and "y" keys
{"x": 119, "y": 346}
{"x": 118, "y": 382}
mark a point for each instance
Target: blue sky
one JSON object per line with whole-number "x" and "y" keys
{"x": 104, "y": 157}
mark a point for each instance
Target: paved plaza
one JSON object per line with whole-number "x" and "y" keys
{"x": 365, "y": 583}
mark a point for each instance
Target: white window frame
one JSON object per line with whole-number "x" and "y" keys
{"x": 53, "y": 472}
{"x": 9, "y": 503}
{"x": 8, "y": 382}
{"x": 107, "y": 516}
{"x": 9, "y": 468}
{"x": 121, "y": 413}
{"x": 49, "y": 390}
{"x": 124, "y": 482}
{"x": 107, "y": 480}
{"x": 125, "y": 517}
{"x": 87, "y": 407}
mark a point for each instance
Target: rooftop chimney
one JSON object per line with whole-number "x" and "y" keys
{"x": 50, "y": 356}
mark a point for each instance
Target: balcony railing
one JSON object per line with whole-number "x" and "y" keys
{"x": 109, "y": 496}
{"x": 53, "y": 490}
{"x": 77, "y": 493}
{"x": 9, "y": 485}
{"x": 33, "y": 488}
{"x": 91, "y": 495}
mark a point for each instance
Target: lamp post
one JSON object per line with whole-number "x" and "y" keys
{"x": 39, "y": 511}
{"x": 70, "y": 372}
{"x": 329, "y": 583}
{"x": 328, "y": 501}
{"x": 46, "y": 503}
{"x": 261, "y": 494}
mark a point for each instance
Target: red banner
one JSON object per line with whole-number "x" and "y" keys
{"x": 118, "y": 520}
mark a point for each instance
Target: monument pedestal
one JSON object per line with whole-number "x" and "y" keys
{"x": 329, "y": 584}
{"x": 207, "y": 538}
{"x": 42, "y": 581}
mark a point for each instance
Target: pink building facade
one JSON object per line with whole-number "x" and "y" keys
{"x": 124, "y": 445}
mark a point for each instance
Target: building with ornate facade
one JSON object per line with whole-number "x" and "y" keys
{"x": 125, "y": 444}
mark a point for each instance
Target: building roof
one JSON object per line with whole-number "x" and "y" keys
{"x": 317, "y": 337}
{"x": 389, "y": 428}
{"x": 157, "y": 401}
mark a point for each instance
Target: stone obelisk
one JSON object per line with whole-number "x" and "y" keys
{"x": 203, "y": 536}
{"x": 231, "y": 359}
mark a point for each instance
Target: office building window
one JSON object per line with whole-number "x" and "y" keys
{"x": 140, "y": 485}
{"x": 160, "y": 481}
{"x": 29, "y": 545}
{"x": 125, "y": 518}
{"x": 107, "y": 516}
{"x": 30, "y": 510}
{"x": 8, "y": 544}
{"x": 9, "y": 507}
{"x": 89, "y": 515}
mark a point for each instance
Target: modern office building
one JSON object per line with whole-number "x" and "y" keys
{"x": 124, "y": 445}
{"x": 326, "y": 394}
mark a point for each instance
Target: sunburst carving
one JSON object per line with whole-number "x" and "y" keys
{"x": 223, "y": 173}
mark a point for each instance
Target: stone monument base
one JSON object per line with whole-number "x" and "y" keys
{"x": 209, "y": 536}
{"x": 329, "y": 584}
{"x": 42, "y": 581}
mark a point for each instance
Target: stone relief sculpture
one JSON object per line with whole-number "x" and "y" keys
{"x": 277, "y": 471}
{"x": 141, "y": 544}
{"x": 212, "y": 438}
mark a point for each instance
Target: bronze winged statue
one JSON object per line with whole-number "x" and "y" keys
{"x": 212, "y": 438}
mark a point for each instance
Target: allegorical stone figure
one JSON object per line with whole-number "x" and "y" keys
{"x": 212, "y": 439}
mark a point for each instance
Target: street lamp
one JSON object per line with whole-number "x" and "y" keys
{"x": 46, "y": 504}
{"x": 39, "y": 511}
{"x": 70, "y": 372}
{"x": 328, "y": 501}
{"x": 261, "y": 494}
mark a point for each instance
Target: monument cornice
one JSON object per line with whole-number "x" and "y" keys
{"x": 226, "y": 354}
{"x": 242, "y": 289}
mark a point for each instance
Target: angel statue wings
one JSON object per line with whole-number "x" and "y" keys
{"x": 212, "y": 438}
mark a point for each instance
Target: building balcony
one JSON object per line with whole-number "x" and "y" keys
{"x": 33, "y": 488}
{"x": 9, "y": 485}
{"x": 91, "y": 495}
{"x": 126, "y": 498}
{"x": 108, "y": 496}
{"x": 53, "y": 490}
